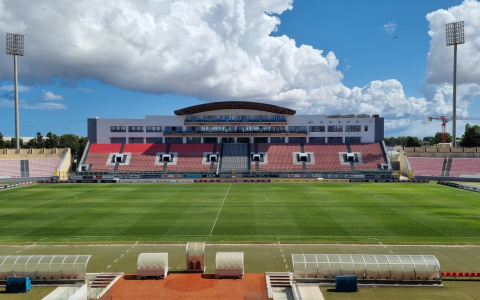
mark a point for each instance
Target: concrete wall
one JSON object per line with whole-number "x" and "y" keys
{"x": 459, "y": 152}
{"x": 32, "y": 153}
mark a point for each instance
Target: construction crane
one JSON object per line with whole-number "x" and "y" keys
{"x": 444, "y": 123}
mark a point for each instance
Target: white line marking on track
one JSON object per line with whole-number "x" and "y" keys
{"x": 19, "y": 251}
{"x": 220, "y": 208}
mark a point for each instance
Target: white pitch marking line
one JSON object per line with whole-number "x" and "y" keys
{"x": 135, "y": 244}
{"x": 284, "y": 260}
{"x": 109, "y": 266}
{"x": 121, "y": 255}
{"x": 115, "y": 260}
{"x": 283, "y": 255}
{"x": 19, "y": 251}
{"x": 286, "y": 266}
{"x": 220, "y": 208}
{"x": 128, "y": 250}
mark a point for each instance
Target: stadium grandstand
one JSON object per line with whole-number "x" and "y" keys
{"x": 35, "y": 163}
{"x": 445, "y": 162}
{"x": 243, "y": 136}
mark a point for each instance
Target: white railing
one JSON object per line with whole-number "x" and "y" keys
{"x": 295, "y": 292}
{"x": 269, "y": 287}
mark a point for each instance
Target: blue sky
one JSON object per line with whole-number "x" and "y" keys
{"x": 368, "y": 71}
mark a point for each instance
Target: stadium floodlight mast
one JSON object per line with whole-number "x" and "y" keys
{"x": 455, "y": 35}
{"x": 16, "y": 47}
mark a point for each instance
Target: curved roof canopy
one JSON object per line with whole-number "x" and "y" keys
{"x": 391, "y": 267}
{"x": 152, "y": 261}
{"x": 229, "y": 260}
{"x": 44, "y": 267}
{"x": 234, "y": 105}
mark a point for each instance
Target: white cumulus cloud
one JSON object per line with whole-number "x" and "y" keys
{"x": 47, "y": 95}
{"x": 390, "y": 27}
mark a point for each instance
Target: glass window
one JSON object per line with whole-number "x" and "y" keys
{"x": 191, "y": 129}
{"x": 277, "y": 128}
{"x": 260, "y": 118}
{"x": 317, "y": 129}
{"x": 118, "y": 128}
{"x": 154, "y": 128}
{"x": 277, "y": 118}
{"x": 338, "y": 128}
{"x": 135, "y": 128}
{"x": 173, "y": 129}
{"x": 366, "y": 127}
{"x": 297, "y": 128}
{"x": 353, "y": 128}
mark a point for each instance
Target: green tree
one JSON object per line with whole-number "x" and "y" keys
{"x": 13, "y": 143}
{"x": 69, "y": 140}
{"x": 2, "y": 142}
{"x": 51, "y": 140}
{"x": 471, "y": 137}
{"x": 413, "y": 142}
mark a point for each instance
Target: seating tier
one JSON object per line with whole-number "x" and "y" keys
{"x": 280, "y": 156}
{"x": 10, "y": 168}
{"x": 327, "y": 157}
{"x": 426, "y": 166}
{"x": 190, "y": 156}
{"x": 465, "y": 167}
{"x": 371, "y": 155}
{"x": 43, "y": 167}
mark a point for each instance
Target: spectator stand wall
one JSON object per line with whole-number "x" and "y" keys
{"x": 378, "y": 269}
{"x": 229, "y": 264}
{"x": 195, "y": 257}
{"x": 152, "y": 264}
{"x": 45, "y": 269}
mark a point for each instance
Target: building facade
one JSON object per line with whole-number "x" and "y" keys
{"x": 240, "y": 122}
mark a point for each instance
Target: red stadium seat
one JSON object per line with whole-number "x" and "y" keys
{"x": 460, "y": 274}
{"x": 448, "y": 274}
{"x": 443, "y": 274}
{"x": 477, "y": 275}
{"x": 454, "y": 274}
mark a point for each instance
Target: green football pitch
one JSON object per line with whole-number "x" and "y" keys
{"x": 362, "y": 213}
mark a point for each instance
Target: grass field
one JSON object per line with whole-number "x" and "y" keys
{"x": 242, "y": 212}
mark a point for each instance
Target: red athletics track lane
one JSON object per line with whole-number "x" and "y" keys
{"x": 190, "y": 286}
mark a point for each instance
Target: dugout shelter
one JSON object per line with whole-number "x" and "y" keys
{"x": 229, "y": 264}
{"x": 152, "y": 264}
{"x": 388, "y": 268}
{"x": 195, "y": 257}
{"x": 45, "y": 268}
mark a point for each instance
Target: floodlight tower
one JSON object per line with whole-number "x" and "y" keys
{"x": 16, "y": 46}
{"x": 455, "y": 35}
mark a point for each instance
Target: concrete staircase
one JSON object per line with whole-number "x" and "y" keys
{"x": 103, "y": 280}
{"x": 280, "y": 279}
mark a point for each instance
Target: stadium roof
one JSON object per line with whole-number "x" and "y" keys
{"x": 234, "y": 105}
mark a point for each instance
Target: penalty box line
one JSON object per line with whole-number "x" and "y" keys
{"x": 220, "y": 208}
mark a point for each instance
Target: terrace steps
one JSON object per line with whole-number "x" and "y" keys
{"x": 103, "y": 280}
{"x": 280, "y": 279}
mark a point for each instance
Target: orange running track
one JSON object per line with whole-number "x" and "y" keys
{"x": 190, "y": 286}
